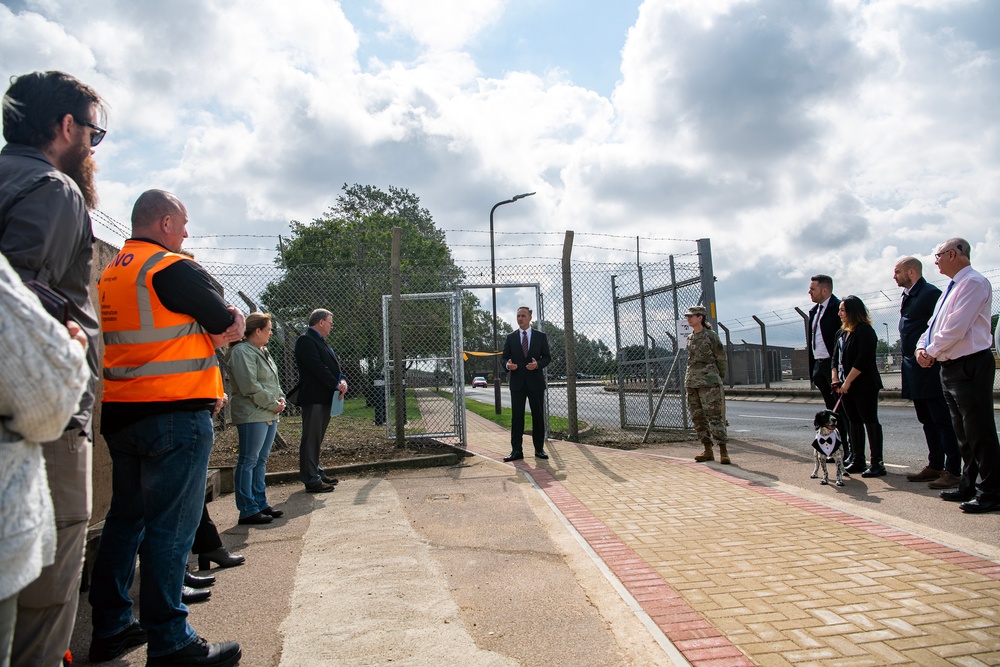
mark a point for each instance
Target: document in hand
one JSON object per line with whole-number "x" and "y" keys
{"x": 337, "y": 407}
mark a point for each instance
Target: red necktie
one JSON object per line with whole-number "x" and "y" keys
{"x": 524, "y": 343}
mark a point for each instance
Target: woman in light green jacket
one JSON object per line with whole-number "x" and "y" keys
{"x": 256, "y": 403}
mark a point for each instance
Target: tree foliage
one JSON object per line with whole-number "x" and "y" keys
{"x": 593, "y": 357}
{"x": 342, "y": 260}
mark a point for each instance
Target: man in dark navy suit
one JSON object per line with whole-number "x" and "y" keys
{"x": 525, "y": 354}
{"x": 923, "y": 385}
{"x": 319, "y": 377}
{"x": 821, "y": 333}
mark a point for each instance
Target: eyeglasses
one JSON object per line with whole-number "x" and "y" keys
{"x": 98, "y": 134}
{"x": 938, "y": 255}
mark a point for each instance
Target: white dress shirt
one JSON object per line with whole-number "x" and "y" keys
{"x": 960, "y": 325}
{"x": 819, "y": 345}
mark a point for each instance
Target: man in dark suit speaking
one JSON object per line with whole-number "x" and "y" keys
{"x": 525, "y": 354}
{"x": 923, "y": 385}
{"x": 820, "y": 337}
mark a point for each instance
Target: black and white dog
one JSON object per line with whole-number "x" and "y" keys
{"x": 828, "y": 446}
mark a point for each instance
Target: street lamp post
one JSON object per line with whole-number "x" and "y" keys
{"x": 493, "y": 280}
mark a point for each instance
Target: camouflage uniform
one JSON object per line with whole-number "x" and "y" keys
{"x": 706, "y": 366}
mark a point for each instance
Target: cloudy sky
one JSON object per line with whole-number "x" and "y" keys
{"x": 798, "y": 135}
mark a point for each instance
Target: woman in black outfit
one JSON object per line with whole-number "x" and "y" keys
{"x": 856, "y": 379}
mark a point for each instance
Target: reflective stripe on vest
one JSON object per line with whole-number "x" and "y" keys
{"x": 174, "y": 361}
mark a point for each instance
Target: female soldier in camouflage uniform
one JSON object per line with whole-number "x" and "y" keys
{"x": 706, "y": 366}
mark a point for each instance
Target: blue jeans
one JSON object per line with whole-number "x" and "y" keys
{"x": 256, "y": 439}
{"x": 159, "y": 467}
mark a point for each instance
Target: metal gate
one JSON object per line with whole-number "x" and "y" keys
{"x": 430, "y": 326}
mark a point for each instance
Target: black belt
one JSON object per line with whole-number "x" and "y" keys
{"x": 949, "y": 362}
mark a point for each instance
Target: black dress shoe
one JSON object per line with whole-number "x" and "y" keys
{"x": 220, "y": 557}
{"x": 980, "y": 505}
{"x": 199, "y": 653}
{"x": 856, "y": 468}
{"x": 270, "y": 511}
{"x": 257, "y": 518}
{"x": 320, "y": 488}
{"x": 872, "y": 471}
{"x": 192, "y": 595}
{"x": 198, "y": 582}
{"x": 513, "y": 457}
{"x": 541, "y": 455}
{"x": 956, "y": 496}
{"x": 103, "y": 649}
{"x": 329, "y": 480}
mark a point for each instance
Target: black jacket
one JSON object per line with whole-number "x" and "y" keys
{"x": 829, "y": 324}
{"x": 319, "y": 370}
{"x": 858, "y": 351}
{"x": 914, "y": 313}
{"x": 522, "y": 379}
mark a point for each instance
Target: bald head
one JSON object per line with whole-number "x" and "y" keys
{"x": 160, "y": 216}
{"x": 907, "y": 271}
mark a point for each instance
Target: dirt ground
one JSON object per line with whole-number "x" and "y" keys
{"x": 349, "y": 440}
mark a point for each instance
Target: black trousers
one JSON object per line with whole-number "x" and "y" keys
{"x": 315, "y": 419}
{"x": 536, "y": 401}
{"x": 821, "y": 373}
{"x": 862, "y": 412}
{"x": 942, "y": 445}
{"x": 968, "y": 389}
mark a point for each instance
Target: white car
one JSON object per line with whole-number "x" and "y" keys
{"x": 479, "y": 381}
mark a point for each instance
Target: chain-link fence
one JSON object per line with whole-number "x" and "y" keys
{"x": 629, "y": 362}
{"x": 786, "y": 364}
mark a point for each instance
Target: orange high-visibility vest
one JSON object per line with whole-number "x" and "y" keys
{"x": 151, "y": 354}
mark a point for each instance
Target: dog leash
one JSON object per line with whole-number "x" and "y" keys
{"x": 838, "y": 403}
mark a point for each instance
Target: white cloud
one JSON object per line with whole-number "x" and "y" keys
{"x": 799, "y": 137}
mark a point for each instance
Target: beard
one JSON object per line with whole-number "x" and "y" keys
{"x": 82, "y": 169}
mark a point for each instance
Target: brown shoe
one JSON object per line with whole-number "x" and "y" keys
{"x": 945, "y": 481}
{"x": 928, "y": 474}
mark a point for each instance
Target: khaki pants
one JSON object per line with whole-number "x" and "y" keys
{"x": 46, "y": 608}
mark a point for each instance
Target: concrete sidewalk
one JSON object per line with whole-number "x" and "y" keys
{"x": 595, "y": 557}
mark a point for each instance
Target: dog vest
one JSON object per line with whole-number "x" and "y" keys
{"x": 827, "y": 444}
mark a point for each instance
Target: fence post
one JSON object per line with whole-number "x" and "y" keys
{"x": 805, "y": 327}
{"x": 397, "y": 340}
{"x": 729, "y": 353}
{"x": 645, "y": 337}
{"x": 618, "y": 347}
{"x": 763, "y": 346}
{"x": 570, "y": 338}
{"x": 707, "y": 277}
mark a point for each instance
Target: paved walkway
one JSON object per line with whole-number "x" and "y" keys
{"x": 611, "y": 558}
{"x": 737, "y": 573}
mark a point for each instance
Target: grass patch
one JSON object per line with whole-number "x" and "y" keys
{"x": 489, "y": 411}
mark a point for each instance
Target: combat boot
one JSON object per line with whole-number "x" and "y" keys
{"x": 707, "y": 455}
{"x": 723, "y": 455}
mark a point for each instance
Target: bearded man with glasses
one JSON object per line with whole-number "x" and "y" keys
{"x": 51, "y": 122}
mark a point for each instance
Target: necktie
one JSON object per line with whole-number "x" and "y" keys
{"x": 524, "y": 343}
{"x": 819, "y": 312}
{"x": 930, "y": 327}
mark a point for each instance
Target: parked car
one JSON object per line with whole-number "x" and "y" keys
{"x": 479, "y": 381}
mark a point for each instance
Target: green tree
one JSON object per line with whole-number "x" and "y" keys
{"x": 592, "y": 356}
{"x": 341, "y": 261}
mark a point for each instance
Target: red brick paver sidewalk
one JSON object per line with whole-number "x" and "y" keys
{"x": 738, "y": 573}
